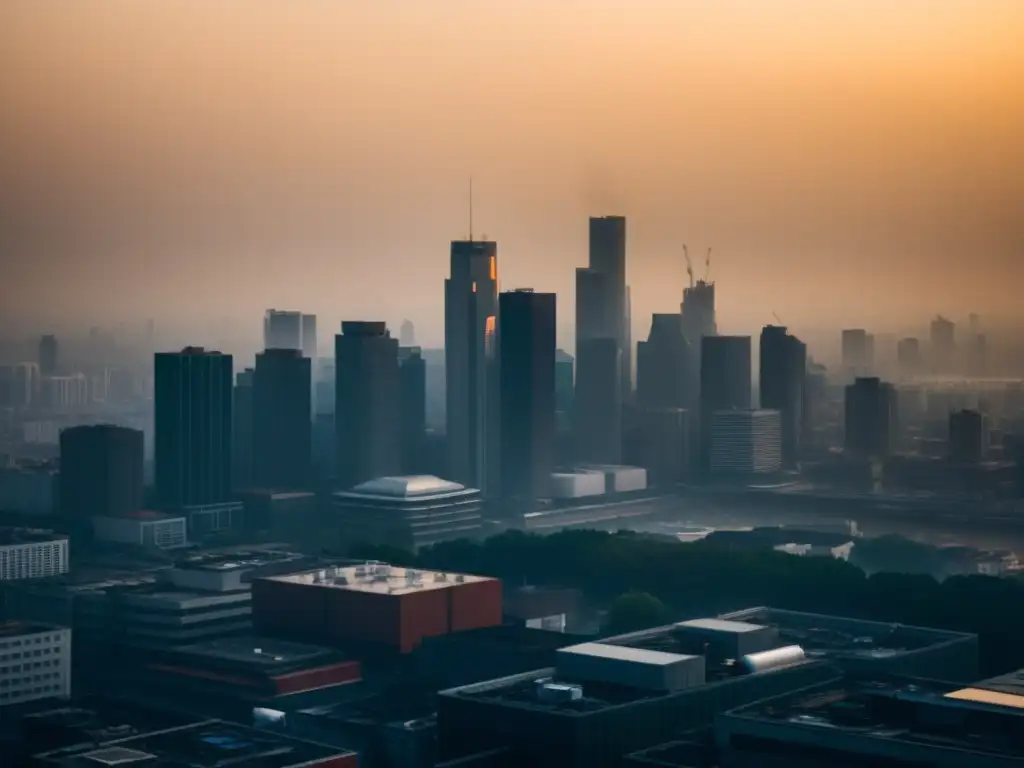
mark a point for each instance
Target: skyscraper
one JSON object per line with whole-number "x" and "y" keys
{"x": 597, "y": 408}
{"x": 48, "y": 359}
{"x": 857, "y": 348}
{"x": 307, "y": 338}
{"x": 471, "y": 364}
{"x": 407, "y": 334}
{"x": 608, "y": 256}
{"x": 282, "y": 420}
{"x": 100, "y": 471}
{"x": 193, "y": 430}
{"x": 662, "y": 365}
{"x": 565, "y": 382}
{"x": 367, "y": 407}
{"x": 698, "y": 312}
{"x": 908, "y": 355}
{"x": 871, "y": 411}
{"x": 282, "y": 329}
{"x": 943, "y": 342}
{"x": 241, "y": 432}
{"x": 783, "y": 369}
{"x": 725, "y": 381}
{"x": 527, "y": 335}
{"x": 413, "y": 386}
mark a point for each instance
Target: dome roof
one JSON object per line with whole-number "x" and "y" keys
{"x": 406, "y": 486}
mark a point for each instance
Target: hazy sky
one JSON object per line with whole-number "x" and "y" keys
{"x": 203, "y": 158}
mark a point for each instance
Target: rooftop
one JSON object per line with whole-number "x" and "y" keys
{"x": 890, "y": 709}
{"x": 1011, "y": 682}
{"x": 625, "y": 653}
{"x": 235, "y": 560}
{"x": 204, "y": 745}
{"x": 262, "y": 652}
{"x": 379, "y": 578}
{"x": 9, "y": 536}
{"x": 833, "y": 636}
{"x": 722, "y": 625}
{"x": 101, "y": 720}
{"x": 405, "y": 487}
{"x": 11, "y": 629}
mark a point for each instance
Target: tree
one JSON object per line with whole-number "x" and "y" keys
{"x": 634, "y": 611}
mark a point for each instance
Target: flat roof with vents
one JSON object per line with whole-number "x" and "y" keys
{"x": 379, "y": 578}
{"x": 625, "y": 653}
{"x": 203, "y": 745}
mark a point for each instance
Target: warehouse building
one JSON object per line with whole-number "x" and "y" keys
{"x": 211, "y": 744}
{"x": 602, "y": 701}
{"x": 409, "y": 512}
{"x": 872, "y": 647}
{"x": 876, "y": 722}
{"x": 374, "y": 606}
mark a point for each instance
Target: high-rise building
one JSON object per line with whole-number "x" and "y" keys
{"x": 663, "y": 365}
{"x": 308, "y": 338}
{"x": 48, "y": 355}
{"x": 783, "y": 369}
{"x": 282, "y": 329}
{"x": 597, "y": 409}
{"x": 565, "y": 378}
{"x": 968, "y": 437}
{"x": 698, "y": 312}
{"x": 471, "y": 364}
{"x": 407, "y": 334}
{"x": 664, "y": 448}
{"x": 193, "y": 429}
{"x": 857, "y": 351}
{"x": 527, "y": 350}
{"x": 282, "y": 420}
{"x": 943, "y": 344}
{"x": 241, "y": 435}
{"x": 746, "y": 441}
{"x": 367, "y": 406}
{"x": 413, "y": 386}
{"x": 100, "y": 471}
{"x": 608, "y": 256}
{"x": 908, "y": 355}
{"x": 871, "y": 417}
{"x": 725, "y": 381}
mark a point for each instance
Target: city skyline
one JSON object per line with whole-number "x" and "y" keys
{"x": 822, "y": 173}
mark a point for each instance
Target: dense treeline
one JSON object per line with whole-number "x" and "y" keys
{"x": 701, "y": 580}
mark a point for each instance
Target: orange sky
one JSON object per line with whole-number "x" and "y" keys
{"x": 850, "y": 162}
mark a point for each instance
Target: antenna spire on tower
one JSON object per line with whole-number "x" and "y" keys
{"x": 471, "y": 209}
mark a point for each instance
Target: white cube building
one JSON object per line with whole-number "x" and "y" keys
{"x": 27, "y": 553}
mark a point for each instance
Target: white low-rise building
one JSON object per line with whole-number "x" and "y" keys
{"x": 144, "y": 528}
{"x": 35, "y": 662}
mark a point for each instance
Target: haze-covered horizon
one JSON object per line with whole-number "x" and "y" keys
{"x": 851, "y": 164}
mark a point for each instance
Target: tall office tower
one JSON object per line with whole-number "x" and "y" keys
{"x": 565, "y": 377}
{"x": 968, "y": 437}
{"x": 241, "y": 431}
{"x": 471, "y": 364}
{"x": 698, "y": 312}
{"x": 816, "y": 402}
{"x": 943, "y": 343}
{"x": 193, "y": 430}
{"x": 978, "y": 356}
{"x": 908, "y": 355}
{"x": 871, "y": 417}
{"x": 608, "y": 256}
{"x": 664, "y": 445}
{"x": 527, "y": 353}
{"x": 307, "y": 338}
{"x": 282, "y": 329}
{"x": 407, "y": 334}
{"x": 413, "y": 388}
{"x": 725, "y": 381}
{"x": 857, "y": 348}
{"x": 367, "y": 406}
{"x": 100, "y": 471}
{"x": 597, "y": 409}
{"x": 48, "y": 350}
{"x": 746, "y": 441}
{"x": 282, "y": 420}
{"x": 782, "y": 377}
{"x": 663, "y": 364}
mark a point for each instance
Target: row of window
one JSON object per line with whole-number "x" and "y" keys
{"x": 18, "y": 682}
{"x": 37, "y": 692}
{"x": 25, "y": 667}
{"x": 34, "y": 640}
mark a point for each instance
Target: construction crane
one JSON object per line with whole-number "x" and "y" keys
{"x": 777, "y": 319}
{"x": 689, "y": 266}
{"x": 707, "y": 266}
